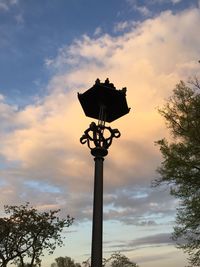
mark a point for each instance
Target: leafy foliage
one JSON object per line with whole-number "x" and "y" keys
{"x": 181, "y": 164}
{"x": 116, "y": 260}
{"x": 65, "y": 262}
{"x": 119, "y": 260}
{"x": 25, "y": 233}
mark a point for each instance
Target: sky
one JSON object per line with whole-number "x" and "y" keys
{"x": 49, "y": 51}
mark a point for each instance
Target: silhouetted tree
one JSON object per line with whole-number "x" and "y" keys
{"x": 116, "y": 260}
{"x": 119, "y": 260}
{"x": 87, "y": 263}
{"x": 25, "y": 233}
{"x": 66, "y": 262}
{"x": 180, "y": 168}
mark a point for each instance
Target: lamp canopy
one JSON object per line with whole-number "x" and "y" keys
{"x": 104, "y": 96}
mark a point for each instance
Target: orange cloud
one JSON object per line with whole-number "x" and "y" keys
{"x": 149, "y": 60}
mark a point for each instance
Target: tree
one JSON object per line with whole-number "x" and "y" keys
{"x": 116, "y": 260}
{"x": 119, "y": 260}
{"x": 180, "y": 168}
{"x": 87, "y": 263}
{"x": 66, "y": 262}
{"x": 25, "y": 233}
{"x": 9, "y": 249}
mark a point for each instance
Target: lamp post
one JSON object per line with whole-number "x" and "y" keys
{"x": 106, "y": 104}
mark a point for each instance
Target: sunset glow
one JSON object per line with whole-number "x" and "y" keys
{"x": 50, "y": 51}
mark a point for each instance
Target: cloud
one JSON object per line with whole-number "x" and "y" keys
{"x": 165, "y": 1}
{"x": 40, "y": 143}
{"x": 155, "y": 240}
{"x": 143, "y": 10}
{"x": 176, "y": 1}
{"x": 19, "y": 19}
{"x": 158, "y": 239}
{"x": 97, "y": 31}
{"x": 125, "y": 26}
{"x": 7, "y": 114}
{"x": 6, "y": 4}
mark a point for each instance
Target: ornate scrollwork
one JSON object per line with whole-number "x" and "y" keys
{"x": 99, "y": 136}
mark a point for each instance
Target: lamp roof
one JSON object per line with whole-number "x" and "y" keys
{"x": 106, "y": 96}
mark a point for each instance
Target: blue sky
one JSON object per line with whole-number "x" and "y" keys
{"x": 49, "y": 51}
{"x": 33, "y": 30}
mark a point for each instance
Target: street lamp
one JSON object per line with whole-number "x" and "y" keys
{"x": 106, "y": 104}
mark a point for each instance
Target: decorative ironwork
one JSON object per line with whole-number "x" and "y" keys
{"x": 99, "y": 136}
{"x": 105, "y": 103}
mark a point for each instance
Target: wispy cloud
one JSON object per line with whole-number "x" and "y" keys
{"x": 125, "y": 26}
{"x": 176, "y": 1}
{"x": 142, "y": 9}
{"x": 19, "y": 19}
{"x": 98, "y": 31}
{"x": 164, "y": 1}
{"x": 155, "y": 240}
{"x": 6, "y": 4}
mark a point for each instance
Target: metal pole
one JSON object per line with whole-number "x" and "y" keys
{"x": 97, "y": 228}
{"x": 98, "y": 145}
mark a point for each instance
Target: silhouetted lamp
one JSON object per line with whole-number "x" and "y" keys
{"x": 104, "y": 99}
{"x": 106, "y": 104}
